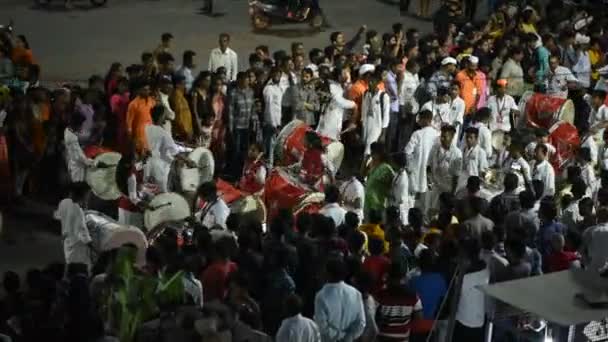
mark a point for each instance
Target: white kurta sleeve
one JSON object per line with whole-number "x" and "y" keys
{"x": 338, "y": 95}
{"x": 410, "y": 150}
{"x": 483, "y": 161}
{"x": 234, "y": 66}
{"x": 132, "y": 187}
{"x": 386, "y": 110}
{"x": 82, "y": 232}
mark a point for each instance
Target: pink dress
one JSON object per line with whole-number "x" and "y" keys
{"x": 119, "y": 104}
{"x": 218, "y": 131}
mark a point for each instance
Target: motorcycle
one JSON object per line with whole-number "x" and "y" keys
{"x": 264, "y": 12}
{"x": 95, "y": 3}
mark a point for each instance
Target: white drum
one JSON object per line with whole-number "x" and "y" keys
{"x": 335, "y": 154}
{"x": 103, "y": 180}
{"x": 166, "y": 207}
{"x": 191, "y": 178}
{"x": 107, "y": 234}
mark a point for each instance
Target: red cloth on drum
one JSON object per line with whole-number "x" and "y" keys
{"x": 540, "y": 109}
{"x": 564, "y": 136}
{"x": 312, "y": 166}
{"x": 294, "y": 145}
{"x": 5, "y": 170}
{"x": 124, "y": 202}
{"x": 249, "y": 182}
{"x": 282, "y": 191}
{"x": 93, "y": 151}
{"x": 227, "y": 191}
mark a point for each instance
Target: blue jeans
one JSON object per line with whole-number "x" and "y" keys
{"x": 270, "y": 138}
{"x": 240, "y": 138}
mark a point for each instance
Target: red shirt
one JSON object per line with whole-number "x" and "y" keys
{"x": 394, "y": 315}
{"x": 249, "y": 182}
{"x": 377, "y": 266}
{"x": 215, "y": 279}
{"x": 560, "y": 261}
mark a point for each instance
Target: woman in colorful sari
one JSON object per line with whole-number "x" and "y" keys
{"x": 380, "y": 176}
{"x": 199, "y": 97}
{"x": 218, "y": 122}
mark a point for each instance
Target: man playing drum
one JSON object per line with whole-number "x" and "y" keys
{"x": 77, "y": 162}
{"x": 214, "y": 211}
{"x": 254, "y": 172}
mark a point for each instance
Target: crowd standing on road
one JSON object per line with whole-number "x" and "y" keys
{"x": 408, "y": 210}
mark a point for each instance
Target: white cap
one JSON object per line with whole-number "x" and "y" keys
{"x": 449, "y": 60}
{"x": 581, "y": 39}
{"x": 365, "y": 68}
{"x": 473, "y": 59}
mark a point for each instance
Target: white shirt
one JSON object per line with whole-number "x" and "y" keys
{"x": 215, "y": 213}
{"x": 169, "y": 113}
{"x": 353, "y": 191}
{"x": 589, "y": 142}
{"x": 485, "y": 139}
{"x": 409, "y": 84}
{"x": 188, "y": 77}
{"x": 558, "y": 80}
{"x": 330, "y": 122}
{"x": 582, "y": 69}
{"x": 374, "y": 117}
{"x": 441, "y": 113}
{"x": 471, "y": 306}
{"x": 163, "y": 150}
{"x": 273, "y": 97}
{"x": 457, "y": 107}
{"x": 400, "y": 195}
{"x": 521, "y": 165}
{"x": 335, "y": 212}
{"x": 339, "y": 312}
{"x": 571, "y": 215}
{"x": 474, "y": 163}
{"x": 544, "y": 172}
{"x": 417, "y": 152}
{"x": 501, "y": 109}
{"x": 194, "y": 288}
{"x": 298, "y": 329}
{"x": 597, "y": 117}
{"x": 445, "y": 165}
{"x": 603, "y": 157}
{"x": 77, "y": 162}
{"x": 227, "y": 59}
{"x": 74, "y": 232}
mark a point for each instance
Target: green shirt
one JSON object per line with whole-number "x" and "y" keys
{"x": 378, "y": 186}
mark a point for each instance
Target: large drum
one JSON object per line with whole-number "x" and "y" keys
{"x": 284, "y": 191}
{"x": 107, "y": 234}
{"x": 542, "y": 110}
{"x": 240, "y": 202}
{"x": 289, "y": 147}
{"x": 103, "y": 180}
{"x": 191, "y": 177}
{"x": 166, "y": 207}
{"x": 564, "y": 136}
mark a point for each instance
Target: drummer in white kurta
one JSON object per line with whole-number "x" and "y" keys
{"x": 474, "y": 158}
{"x": 457, "y": 107}
{"x": 375, "y": 113}
{"x": 330, "y": 122}
{"x": 162, "y": 150}
{"x": 502, "y": 106}
{"x": 77, "y": 162}
{"x": 214, "y": 211}
{"x": 74, "y": 231}
{"x": 400, "y": 192}
{"x": 418, "y": 151}
{"x": 440, "y": 107}
{"x": 445, "y": 164}
{"x": 543, "y": 171}
{"x": 352, "y": 193}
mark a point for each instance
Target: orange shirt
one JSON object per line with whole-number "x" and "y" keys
{"x": 138, "y": 117}
{"x": 355, "y": 94}
{"x": 470, "y": 89}
{"x": 21, "y": 55}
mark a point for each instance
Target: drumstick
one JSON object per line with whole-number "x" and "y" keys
{"x": 168, "y": 204}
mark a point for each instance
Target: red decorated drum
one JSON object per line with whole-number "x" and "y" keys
{"x": 290, "y": 145}
{"x": 564, "y": 136}
{"x": 283, "y": 191}
{"x": 543, "y": 110}
{"x": 228, "y": 192}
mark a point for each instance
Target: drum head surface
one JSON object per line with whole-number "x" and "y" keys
{"x": 166, "y": 207}
{"x": 279, "y": 146}
{"x": 127, "y": 235}
{"x": 189, "y": 179}
{"x": 103, "y": 180}
{"x": 249, "y": 205}
{"x": 335, "y": 153}
{"x": 498, "y": 138}
{"x": 566, "y": 112}
{"x": 206, "y": 164}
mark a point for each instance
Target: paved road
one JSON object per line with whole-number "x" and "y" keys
{"x": 75, "y": 44}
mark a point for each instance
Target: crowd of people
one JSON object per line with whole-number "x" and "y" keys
{"x": 410, "y": 225}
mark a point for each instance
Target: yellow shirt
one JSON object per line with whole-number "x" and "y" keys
{"x": 595, "y": 58}
{"x": 374, "y": 231}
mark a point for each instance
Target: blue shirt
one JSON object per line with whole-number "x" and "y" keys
{"x": 431, "y": 288}
{"x": 545, "y": 233}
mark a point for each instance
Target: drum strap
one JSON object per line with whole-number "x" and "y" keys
{"x": 206, "y": 209}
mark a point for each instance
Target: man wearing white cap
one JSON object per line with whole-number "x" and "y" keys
{"x": 357, "y": 90}
{"x": 442, "y": 77}
{"x": 471, "y": 83}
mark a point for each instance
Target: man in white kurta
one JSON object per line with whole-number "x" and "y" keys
{"x": 445, "y": 164}
{"x": 440, "y": 107}
{"x": 543, "y": 171}
{"x": 77, "y": 162}
{"x": 502, "y": 106}
{"x": 418, "y": 151}
{"x": 400, "y": 191}
{"x": 352, "y": 193}
{"x": 375, "y": 113}
{"x": 474, "y": 158}
{"x": 484, "y": 141}
{"x": 214, "y": 212}
{"x": 74, "y": 231}
{"x": 457, "y": 107}
{"x": 332, "y": 208}
{"x": 330, "y": 122}
{"x": 162, "y": 150}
